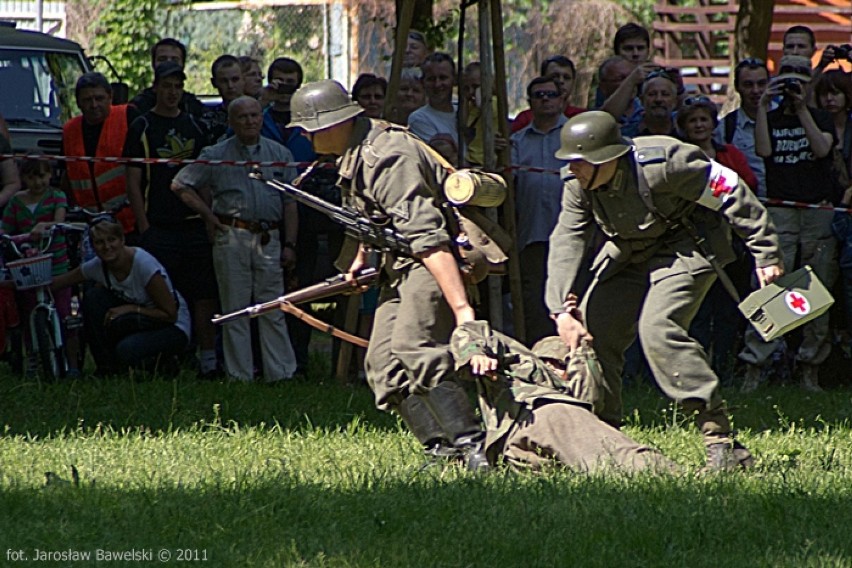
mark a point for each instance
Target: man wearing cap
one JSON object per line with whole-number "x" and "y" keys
{"x": 647, "y": 195}
{"x": 537, "y": 404}
{"x": 167, "y": 228}
{"x": 795, "y": 142}
{"x": 247, "y": 218}
{"x": 392, "y": 177}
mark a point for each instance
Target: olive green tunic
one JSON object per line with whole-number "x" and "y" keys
{"x": 649, "y": 276}
{"x": 392, "y": 178}
{"x": 534, "y": 416}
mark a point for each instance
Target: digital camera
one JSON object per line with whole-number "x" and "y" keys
{"x": 842, "y": 52}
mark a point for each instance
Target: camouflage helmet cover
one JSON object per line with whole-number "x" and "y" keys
{"x": 592, "y": 136}
{"x": 320, "y": 105}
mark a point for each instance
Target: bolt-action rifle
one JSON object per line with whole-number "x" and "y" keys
{"x": 329, "y": 287}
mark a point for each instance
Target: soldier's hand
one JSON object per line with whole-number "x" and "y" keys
{"x": 572, "y": 331}
{"x": 484, "y": 365}
{"x": 769, "y": 274}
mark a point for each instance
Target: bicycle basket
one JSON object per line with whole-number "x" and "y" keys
{"x": 31, "y": 272}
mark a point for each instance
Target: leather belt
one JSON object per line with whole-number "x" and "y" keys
{"x": 258, "y": 227}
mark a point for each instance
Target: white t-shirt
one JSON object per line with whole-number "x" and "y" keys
{"x": 426, "y": 122}
{"x": 132, "y": 288}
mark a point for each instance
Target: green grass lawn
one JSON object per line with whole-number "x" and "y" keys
{"x": 310, "y": 474}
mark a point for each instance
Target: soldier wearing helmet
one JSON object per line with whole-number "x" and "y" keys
{"x": 536, "y": 404}
{"x": 650, "y": 197}
{"x": 393, "y": 178}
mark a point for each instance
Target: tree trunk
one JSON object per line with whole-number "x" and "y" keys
{"x": 754, "y": 24}
{"x": 422, "y": 19}
{"x": 751, "y": 39}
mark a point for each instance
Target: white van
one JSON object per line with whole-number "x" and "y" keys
{"x": 38, "y": 73}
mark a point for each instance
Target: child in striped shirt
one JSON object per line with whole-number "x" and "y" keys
{"x": 34, "y": 210}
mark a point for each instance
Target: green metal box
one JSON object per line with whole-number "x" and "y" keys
{"x": 791, "y": 301}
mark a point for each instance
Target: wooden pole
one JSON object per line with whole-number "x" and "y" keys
{"x": 403, "y": 25}
{"x": 486, "y": 122}
{"x": 505, "y": 159}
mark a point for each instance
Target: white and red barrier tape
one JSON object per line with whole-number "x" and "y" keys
{"x": 123, "y": 160}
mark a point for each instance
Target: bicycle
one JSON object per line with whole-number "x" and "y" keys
{"x": 33, "y": 271}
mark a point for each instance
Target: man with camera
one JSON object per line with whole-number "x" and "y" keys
{"x": 795, "y": 141}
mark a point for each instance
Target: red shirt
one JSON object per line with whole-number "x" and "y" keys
{"x": 731, "y": 157}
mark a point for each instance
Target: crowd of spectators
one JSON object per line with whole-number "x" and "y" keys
{"x": 226, "y": 240}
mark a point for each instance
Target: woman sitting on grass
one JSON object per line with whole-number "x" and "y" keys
{"x": 34, "y": 210}
{"x": 134, "y": 316}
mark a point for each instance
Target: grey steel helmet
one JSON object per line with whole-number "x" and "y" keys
{"x": 321, "y": 105}
{"x": 592, "y": 136}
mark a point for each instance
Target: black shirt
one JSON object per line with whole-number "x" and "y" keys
{"x": 156, "y": 136}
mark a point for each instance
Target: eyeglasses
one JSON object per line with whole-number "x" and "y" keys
{"x": 417, "y": 36}
{"x": 697, "y": 100}
{"x": 545, "y": 95}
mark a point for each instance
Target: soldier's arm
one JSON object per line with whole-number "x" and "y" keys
{"x": 725, "y": 193}
{"x": 441, "y": 263}
{"x": 568, "y": 245}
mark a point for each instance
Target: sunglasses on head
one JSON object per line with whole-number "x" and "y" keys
{"x": 101, "y": 218}
{"x": 669, "y": 73}
{"x": 697, "y": 100}
{"x": 545, "y": 94}
{"x": 752, "y": 62}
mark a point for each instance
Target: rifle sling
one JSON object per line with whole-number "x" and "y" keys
{"x": 322, "y": 326}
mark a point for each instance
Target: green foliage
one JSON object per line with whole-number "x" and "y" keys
{"x": 310, "y": 474}
{"x": 123, "y": 34}
{"x": 642, "y": 9}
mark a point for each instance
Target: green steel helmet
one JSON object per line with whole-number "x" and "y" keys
{"x": 551, "y": 348}
{"x": 321, "y": 105}
{"x": 592, "y": 136}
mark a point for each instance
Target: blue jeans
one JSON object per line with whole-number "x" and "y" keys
{"x": 139, "y": 350}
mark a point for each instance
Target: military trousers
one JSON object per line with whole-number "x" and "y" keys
{"x": 573, "y": 436}
{"x": 409, "y": 346}
{"x": 656, "y": 298}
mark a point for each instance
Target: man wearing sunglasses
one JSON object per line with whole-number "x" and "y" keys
{"x": 537, "y": 195}
{"x": 650, "y": 276}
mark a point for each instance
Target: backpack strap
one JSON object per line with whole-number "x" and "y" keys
{"x": 730, "y": 126}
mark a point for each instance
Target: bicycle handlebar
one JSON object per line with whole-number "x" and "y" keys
{"x": 45, "y": 240}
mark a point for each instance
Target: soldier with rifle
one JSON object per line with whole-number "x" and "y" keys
{"x": 394, "y": 183}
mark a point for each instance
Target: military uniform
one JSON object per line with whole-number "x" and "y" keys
{"x": 534, "y": 416}
{"x": 650, "y": 276}
{"x": 390, "y": 177}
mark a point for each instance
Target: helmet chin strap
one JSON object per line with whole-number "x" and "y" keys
{"x": 594, "y": 176}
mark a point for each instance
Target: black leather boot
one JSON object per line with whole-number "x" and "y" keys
{"x": 452, "y": 409}
{"x": 426, "y": 429}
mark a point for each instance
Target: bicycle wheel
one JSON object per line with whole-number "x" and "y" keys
{"x": 50, "y": 356}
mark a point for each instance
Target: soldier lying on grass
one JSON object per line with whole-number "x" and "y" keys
{"x": 537, "y": 405}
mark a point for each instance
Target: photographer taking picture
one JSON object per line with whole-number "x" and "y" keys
{"x": 796, "y": 141}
